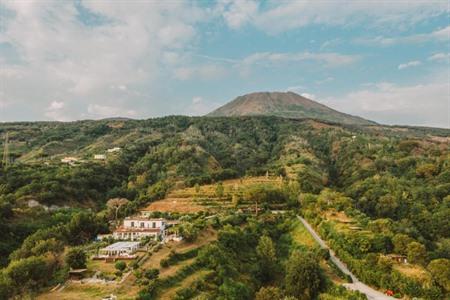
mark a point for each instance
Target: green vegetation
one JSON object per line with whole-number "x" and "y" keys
{"x": 370, "y": 191}
{"x": 76, "y": 258}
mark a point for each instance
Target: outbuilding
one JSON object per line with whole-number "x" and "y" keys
{"x": 119, "y": 250}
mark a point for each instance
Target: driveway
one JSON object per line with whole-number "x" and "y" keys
{"x": 357, "y": 285}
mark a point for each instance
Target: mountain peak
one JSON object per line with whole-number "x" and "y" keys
{"x": 284, "y": 104}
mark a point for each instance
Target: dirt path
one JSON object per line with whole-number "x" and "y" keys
{"x": 357, "y": 285}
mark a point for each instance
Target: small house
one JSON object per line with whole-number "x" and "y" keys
{"x": 99, "y": 156}
{"x": 398, "y": 258}
{"x": 69, "y": 160}
{"x": 77, "y": 274}
{"x": 114, "y": 150}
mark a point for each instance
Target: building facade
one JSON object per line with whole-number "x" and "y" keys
{"x": 135, "y": 228}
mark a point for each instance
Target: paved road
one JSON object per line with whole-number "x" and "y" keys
{"x": 357, "y": 285}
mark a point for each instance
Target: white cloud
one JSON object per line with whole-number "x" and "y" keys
{"x": 286, "y": 15}
{"x": 296, "y": 88}
{"x": 203, "y": 72}
{"x": 55, "y": 111}
{"x": 200, "y": 107}
{"x": 421, "y": 104}
{"x": 413, "y": 63}
{"x": 103, "y": 111}
{"x": 328, "y": 58}
{"x": 236, "y": 13}
{"x": 62, "y": 57}
{"x": 438, "y": 35}
{"x": 445, "y": 57}
{"x": 308, "y": 95}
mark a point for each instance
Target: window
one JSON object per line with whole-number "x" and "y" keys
{"x": 132, "y": 224}
{"x": 142, "y": 224}
{"x": 154, "y": 225}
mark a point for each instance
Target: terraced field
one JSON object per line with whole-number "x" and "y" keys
{"x": 204, "y": 198}
{"x": 128, "y": 288}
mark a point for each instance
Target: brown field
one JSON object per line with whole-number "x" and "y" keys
{"x": 414, "y": 271}
{"x": 188, "y": 200}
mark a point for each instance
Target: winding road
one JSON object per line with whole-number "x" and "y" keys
{"x": 357, "y": 285}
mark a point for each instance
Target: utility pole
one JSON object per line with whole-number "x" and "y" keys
{"x": 6, "y": 159}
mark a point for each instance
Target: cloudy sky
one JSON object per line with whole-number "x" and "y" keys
{"x": 65, "y": 60}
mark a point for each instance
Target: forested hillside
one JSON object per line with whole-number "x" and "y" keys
{"x": 395, "y": 176}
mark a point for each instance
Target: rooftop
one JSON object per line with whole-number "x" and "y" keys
{"x": 136, "y": 229}
{"x": 121, "y": 245}
{"x": 140, "y": 218}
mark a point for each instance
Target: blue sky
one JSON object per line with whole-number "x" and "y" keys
{"x": 66, "y": 60}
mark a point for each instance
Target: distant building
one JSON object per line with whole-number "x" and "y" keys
{"x": 398, "y": 258}
{"x": 77, "y": 274}
{"x": 69, "y": 160}
{"x": 113, "y": 150}
{"x": 102, "y": 237}
{"x": 135, "y": 228}
{"x": 100, "y": 156}
{"x": 121, "y": 250}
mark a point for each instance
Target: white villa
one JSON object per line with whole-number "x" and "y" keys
{"x": 119, "y": 250}
{"x": 115, "y": 149}
{"x": 100, "y": 156}
{"x": 135, "y": 228}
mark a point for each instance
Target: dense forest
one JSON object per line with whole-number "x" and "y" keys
{"x": 394, "y": 182}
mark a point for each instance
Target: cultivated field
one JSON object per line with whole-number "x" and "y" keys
{"x": 204, "y": 198}
{"x": 128, "y": 287}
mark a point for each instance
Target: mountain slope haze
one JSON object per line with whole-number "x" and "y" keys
{"x": 287, "y": 105}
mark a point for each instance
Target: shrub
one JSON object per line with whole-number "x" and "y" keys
{"x": 121, "y": 265}
{"x": 76, "y": 258}
{"x": 151, "y": 274}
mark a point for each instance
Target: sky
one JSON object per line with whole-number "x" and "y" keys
{"x": 387, "y": 61}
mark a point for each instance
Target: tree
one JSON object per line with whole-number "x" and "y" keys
{"x": 197, "y": 188}
{"x": 235, "y": 200}
{"x": 115, "y": 204}
{"x": 151, "y": 274}
{"x": 29, "y": 273}
{"x": 417, "y": 253}
{"x": 219, "y": 190}
{"x": 48, "y": 246}
{"x": 269, "y": 293}
{"x": 235, "y": 290}
{"x": 82, "y": 228}
{"x": 189, "y": 232}
{"x": 267, "y": 258}
{"x": 303, "y": 278}
{"x": 76, "y": 258}
{"x": 401, "y": 242}
{"x": 440, "y": 270}
{"x": 120, "y": 265}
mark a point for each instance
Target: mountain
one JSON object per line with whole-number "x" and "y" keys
{"x": 288, "y": 105}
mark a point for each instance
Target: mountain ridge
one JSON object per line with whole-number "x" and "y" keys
{"x": 287, "y": 105}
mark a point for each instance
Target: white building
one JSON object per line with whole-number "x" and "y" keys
{"x": 113, "y": 150}
{"x": 119, "y": 250}
{"x": 100, "y": 156}
{"x": 69, "y": 160}
{"x": 135, "y": 228}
